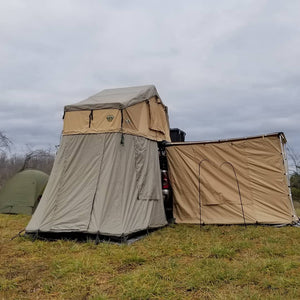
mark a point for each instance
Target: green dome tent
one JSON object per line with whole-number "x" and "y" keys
{"x": 21, "y": 193}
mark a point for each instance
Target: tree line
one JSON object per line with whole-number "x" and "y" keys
{"x": 295, "y": 186}
{"x": 294, "y": 157}
{"x": 42, "y": 159}
{"x": 11, "y": 163}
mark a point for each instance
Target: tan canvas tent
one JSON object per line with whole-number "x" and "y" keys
{"x": 231, "y": 182}
{"x": 136, "y": 110}
{"x": 106, "y": 176}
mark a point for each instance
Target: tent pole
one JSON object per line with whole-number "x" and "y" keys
{"x": 199, "y": 189}
{"x": 286, "y": 168}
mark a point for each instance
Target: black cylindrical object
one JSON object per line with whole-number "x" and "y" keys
{"x": 177, "y": 135}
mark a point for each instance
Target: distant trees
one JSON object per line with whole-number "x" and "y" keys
{"x": 295, "y": 186}
{"x": 5, "y": 143}
{"x": 295, "y": 158}
{"x": 40, "y": 159}
{"x": 295, "y": 178}
{"x": 10, "y": 164}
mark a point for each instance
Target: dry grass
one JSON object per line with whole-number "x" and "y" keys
{"x": 180, "y": 262}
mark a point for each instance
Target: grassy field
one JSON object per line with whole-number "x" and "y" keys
{"x": 178, "y": 262}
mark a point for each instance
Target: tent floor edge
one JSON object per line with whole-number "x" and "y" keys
{"x": 97, "y": 238}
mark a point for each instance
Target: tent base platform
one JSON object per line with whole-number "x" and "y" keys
{"x": 86, "y": 237}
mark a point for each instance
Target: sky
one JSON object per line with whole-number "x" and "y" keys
{"x": 225, "y": 69}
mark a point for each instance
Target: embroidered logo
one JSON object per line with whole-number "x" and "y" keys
{"x": 109, "y": 118}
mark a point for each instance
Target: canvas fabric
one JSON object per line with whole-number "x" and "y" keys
{"x": 213, "y": 183}
{"x": 147, "y": 118}
{"x": 116, "y": 98}
{"x": 21, "y": 193}
{"x": 100, "y": 185}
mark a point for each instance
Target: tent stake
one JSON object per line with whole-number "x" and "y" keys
{"x": 18, "y": 234}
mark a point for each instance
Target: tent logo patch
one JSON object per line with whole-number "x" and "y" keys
{"x": 109, "y": 118}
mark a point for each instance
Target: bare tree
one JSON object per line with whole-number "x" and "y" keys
{"x": 10, "y": 164}
{"x": 295, "y": 158}
{"x": 5, "y": 143}
{"x": 41, "y": 159}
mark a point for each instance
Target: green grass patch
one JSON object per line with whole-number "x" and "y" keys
{"x": 177, "y": 262}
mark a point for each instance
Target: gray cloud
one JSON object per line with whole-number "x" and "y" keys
{"x": 225, "y": 69}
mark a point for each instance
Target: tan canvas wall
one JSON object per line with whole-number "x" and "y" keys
{"x": 148, "y": 119}
{"x": 105, "y": 120}
{"x": 223, "y": 183}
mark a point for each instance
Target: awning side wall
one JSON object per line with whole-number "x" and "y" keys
{"x": 230, "y": 182}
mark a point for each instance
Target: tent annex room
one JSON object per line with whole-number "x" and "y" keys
{"x": 238, "y": 181}
{"x": 21, "y": 193}
{"x": 106, "y": 176}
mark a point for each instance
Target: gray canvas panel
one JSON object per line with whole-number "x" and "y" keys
{"x": 149, "y": 206}
{"x": 67, "y": 200}
{"x": 77, "y": 189}
{"x": 93, "y": 187}
{"x": 147, "y": 165}
{"x": 108, "y": 198}
{"x": 42, "y": 217}
{"x": 115, "y": 98}
{"x": 118, "y": 183}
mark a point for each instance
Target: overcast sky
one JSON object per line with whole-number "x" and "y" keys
{"x": 224, "y": 68}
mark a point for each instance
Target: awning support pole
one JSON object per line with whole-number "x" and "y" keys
{"x": 199, "y": 190}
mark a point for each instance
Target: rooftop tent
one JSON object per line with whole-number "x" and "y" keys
{"x": 21, "y": 194}
{"x": 106, "y": 176}
{"x": 135, "y": 110}
{"x": 238, "y": 181}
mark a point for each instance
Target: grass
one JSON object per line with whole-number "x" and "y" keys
{"x": 178, "y": 262}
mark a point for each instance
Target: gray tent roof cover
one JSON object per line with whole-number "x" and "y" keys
{"x": 116, "y": 98}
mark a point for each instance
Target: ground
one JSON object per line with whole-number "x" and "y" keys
{"x": 177, "y": 262}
